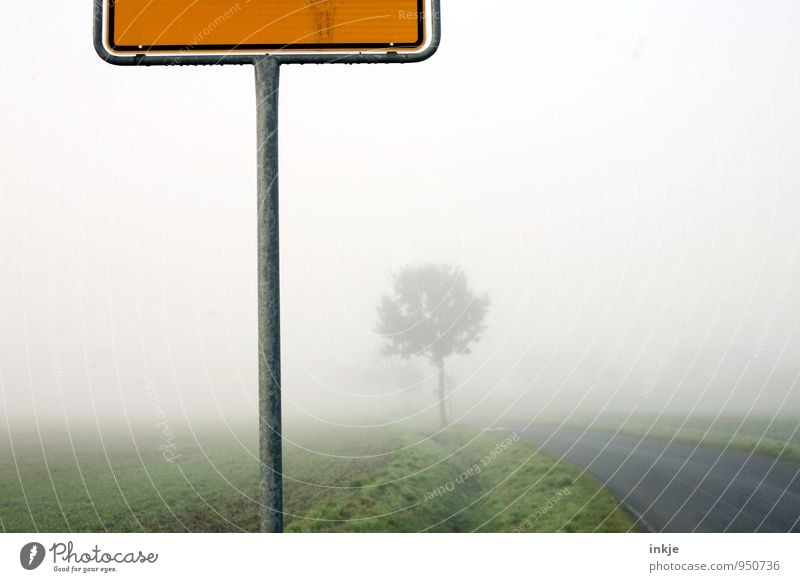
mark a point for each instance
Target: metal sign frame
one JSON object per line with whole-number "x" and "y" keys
{"x": 267, "y": 76}
{"x": 283, "y": 58}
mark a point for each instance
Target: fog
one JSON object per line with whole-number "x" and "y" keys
{"x": 620, "y": 177}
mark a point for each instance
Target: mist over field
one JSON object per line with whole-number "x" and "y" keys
{"x": 620, "y": 179}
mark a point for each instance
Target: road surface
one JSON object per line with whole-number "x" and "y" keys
{"x": 680, "y": 488}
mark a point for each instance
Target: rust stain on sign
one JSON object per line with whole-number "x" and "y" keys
{"x": 323, "y": 13}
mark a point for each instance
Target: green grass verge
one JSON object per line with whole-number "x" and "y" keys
{"x": 390, "y": 480}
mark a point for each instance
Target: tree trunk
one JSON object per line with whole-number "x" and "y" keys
{"x": 442, "y": 394}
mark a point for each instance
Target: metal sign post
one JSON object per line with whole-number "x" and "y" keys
{"x": 269, "y": 297}
{"x": 390, "y": 39}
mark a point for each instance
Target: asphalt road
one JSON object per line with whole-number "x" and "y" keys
{"x": 677, "y": 488}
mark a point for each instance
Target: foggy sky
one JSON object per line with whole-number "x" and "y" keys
{"x": 620, "y": 177}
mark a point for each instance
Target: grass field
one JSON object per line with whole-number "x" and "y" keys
{"x": 777, "y": 438}
{"x": 387, "y": 480}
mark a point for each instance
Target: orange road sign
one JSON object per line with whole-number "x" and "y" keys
{"x": 207, "y": 26}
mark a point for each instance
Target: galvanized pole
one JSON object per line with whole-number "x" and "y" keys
{"x": 269, "y": 307}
